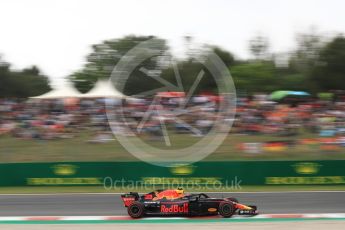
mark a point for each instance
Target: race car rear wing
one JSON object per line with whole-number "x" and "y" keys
{"x": 129, "y": 198}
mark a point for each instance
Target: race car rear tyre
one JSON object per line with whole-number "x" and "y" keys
{"x": 136, "y": 210}
{"x": 226, "y": 209}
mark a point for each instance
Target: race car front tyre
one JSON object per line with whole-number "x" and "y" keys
{"x": 136, "y": 210}
{"x": 226, "y": 209}
{"x": 233, "y": 199}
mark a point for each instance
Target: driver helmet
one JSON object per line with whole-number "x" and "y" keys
{"x": 180, "y": 191}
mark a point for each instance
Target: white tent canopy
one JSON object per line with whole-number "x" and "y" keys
{"x": 63, "y": 91}
{"x": 103, "y": 89}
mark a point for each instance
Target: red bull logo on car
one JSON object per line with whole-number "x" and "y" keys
{"x": 174, "y": 208}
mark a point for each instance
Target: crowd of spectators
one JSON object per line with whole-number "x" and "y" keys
{"x": 325, "y": 118}
{"x": 71, "y": 118}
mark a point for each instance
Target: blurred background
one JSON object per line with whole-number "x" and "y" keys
{"x": 287, "y": 61}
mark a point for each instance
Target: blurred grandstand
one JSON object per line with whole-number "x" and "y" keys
{"x": 286, "y": 128}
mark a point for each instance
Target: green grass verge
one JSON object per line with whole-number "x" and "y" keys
{"x": 97, "y": 189}
{"x": 78, "y": 149}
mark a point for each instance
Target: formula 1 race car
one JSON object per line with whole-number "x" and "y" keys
{"x": 176, "y": 203}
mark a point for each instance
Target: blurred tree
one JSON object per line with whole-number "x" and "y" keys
{"x": 21, "y": 84}
{"x": 307, "y": 52}
{"x": 329, "y": 72}
{"x": 104, "y": 57}
{"x": 191, "y": 67}
{"x": 303, "y": 60}
{"x": 255, "y": 77}
{"x": 4, "y": 77}
{"x": 189, "y": 71}
{"x": 259, "y": 46}
{"x": 33, "y": 70}
{"x": 224, "y": 55}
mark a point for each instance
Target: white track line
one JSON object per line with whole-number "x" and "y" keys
{"x": 100, "y": 218}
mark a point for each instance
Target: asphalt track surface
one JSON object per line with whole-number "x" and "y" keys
{"x": 111, "y": 204}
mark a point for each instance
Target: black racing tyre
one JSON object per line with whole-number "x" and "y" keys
{"x": 233, "y": 199}
{"x": 135, "y": 210}
{"x": 226, "y": 209}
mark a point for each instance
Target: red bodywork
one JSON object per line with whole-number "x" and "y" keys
{"x": 128, "y": 200}
{"x": 167, "y": 194}
{"x": 157, "y": 195}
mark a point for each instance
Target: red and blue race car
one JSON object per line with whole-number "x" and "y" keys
{"x": 176, "y": 203}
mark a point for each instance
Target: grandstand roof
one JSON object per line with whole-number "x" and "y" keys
{"x": 65, "y": 90}
{"x": 103, "y": 89}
